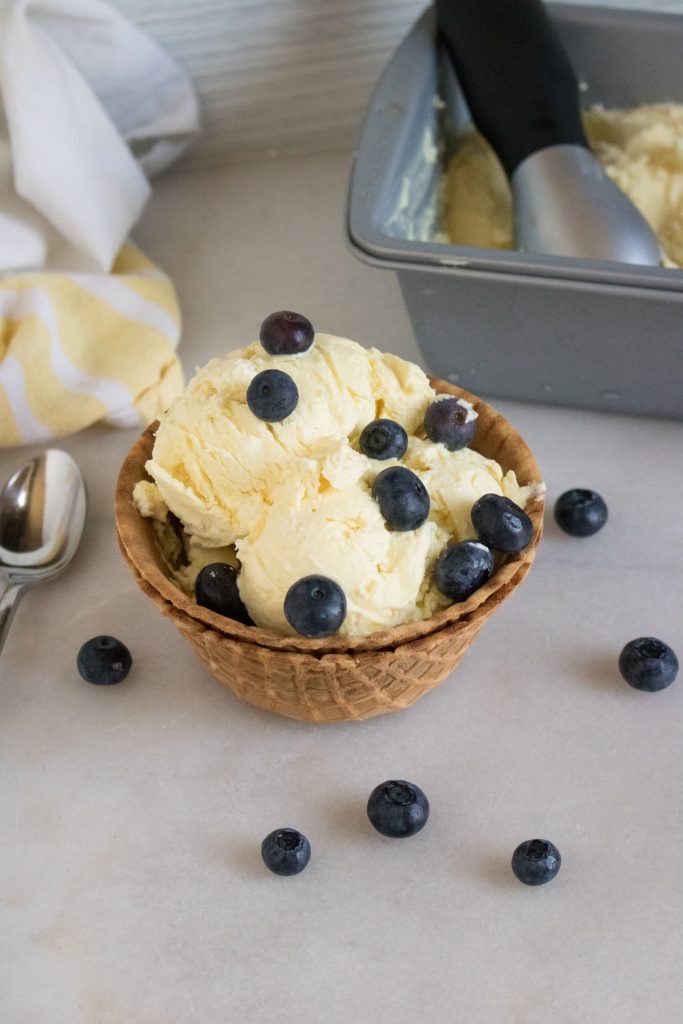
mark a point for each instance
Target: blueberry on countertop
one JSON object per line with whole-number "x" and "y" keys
{"x": 286, "y": 334}
{"x": 580, "y": 512}
{"x": 536, "y": 861}
{"x": 462, "y": 568}
{"x": 104, "y": 660}
{"x": 402, "y": 498}
{"x": 272, "y": 396}
{"x": 451, "y": 421}
{"x": 648, "y": 664}
{"x": 384, "y": 439}
{"x": 216, "y": 588}
{"x": 315, "y": 606}
{"x": 501, "y": 524}
{"x": 286, "y": 851}
{"x": 398, "y": 809}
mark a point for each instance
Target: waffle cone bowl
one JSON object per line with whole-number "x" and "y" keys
{"x": 339, "y": 678}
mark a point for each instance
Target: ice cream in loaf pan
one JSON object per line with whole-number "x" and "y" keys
{"x": 640, "y": 148}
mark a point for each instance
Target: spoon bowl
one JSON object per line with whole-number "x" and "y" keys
{"x": 42, "y": 514}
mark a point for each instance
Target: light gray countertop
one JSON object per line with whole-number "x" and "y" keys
{"x": 132, "y": 816}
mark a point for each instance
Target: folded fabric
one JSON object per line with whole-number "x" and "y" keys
{"x": 79, "y": 348}
{"x": 89, "y": 108}
{"x": 92, "y": 107}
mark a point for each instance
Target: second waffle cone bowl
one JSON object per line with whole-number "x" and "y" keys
{"x": 339, "y": 678}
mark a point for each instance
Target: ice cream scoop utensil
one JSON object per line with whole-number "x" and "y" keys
{"x": 42, "y": 513}
{"x": 523, "y": 95}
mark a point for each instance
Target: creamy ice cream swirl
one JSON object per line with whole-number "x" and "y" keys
{"x": 294, "y": 498}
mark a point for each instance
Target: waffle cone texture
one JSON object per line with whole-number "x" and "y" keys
{"x": 338, "y": 678}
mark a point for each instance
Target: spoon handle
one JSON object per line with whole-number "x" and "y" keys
{"x": 8, "y": 604}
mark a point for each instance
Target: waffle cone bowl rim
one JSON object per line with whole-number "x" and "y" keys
{"x": 138, "y": 545}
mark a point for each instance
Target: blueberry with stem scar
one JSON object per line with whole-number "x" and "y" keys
{"x": 272, "y": 396}
{"x": 315, "y": 606}
{"x": 286, "y": 851}
{"x": 451, "y": 422}
{"x": 402, "y": 498}
{"x": 104, "y": 660}
{"x": 384, "y": 439}
{"x": 398, "y": 809}
{"x": 648, "y": 664}
{"x": 286, "y": 334}
{"x": 580, "y": 512}
{"x": 536, "y": 861}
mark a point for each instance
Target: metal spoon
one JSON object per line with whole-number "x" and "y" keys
{"x": 42, "y": 513}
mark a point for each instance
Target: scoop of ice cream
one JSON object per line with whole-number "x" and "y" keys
{"x": 183, "y": 555}
{"x": 641, "y": 149}
{"x": 313, "y": 527}
{"x": 287, "y": 500}
{"x": 216, "y": 464}
{"x": 334, "y": 528}
{"x": 184, "y": 568}
{"x": 455, "y": 480}
{"x": 151, "y": 505}
{"x": 477, "y": 197}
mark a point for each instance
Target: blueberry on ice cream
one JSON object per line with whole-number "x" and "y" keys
{"x": 305, "y": 455}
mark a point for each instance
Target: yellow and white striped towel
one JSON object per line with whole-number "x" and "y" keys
{"x": 79, "y": 348}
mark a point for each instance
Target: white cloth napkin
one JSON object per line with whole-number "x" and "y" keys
{"x": 90, "y": 107}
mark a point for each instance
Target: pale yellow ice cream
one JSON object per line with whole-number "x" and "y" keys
{"x": 285, "y": 500}
{"x": 341, "y": 534}
{"x": 216, "y": 464}
{"x": 455, "y": 480}
{"x": 183, "y": 554}
{"x": 641, "y": 149}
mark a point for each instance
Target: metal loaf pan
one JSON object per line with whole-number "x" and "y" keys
{"x": 510, "y": 324}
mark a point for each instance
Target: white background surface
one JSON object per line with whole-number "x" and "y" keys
{"x": 132, "y": 816}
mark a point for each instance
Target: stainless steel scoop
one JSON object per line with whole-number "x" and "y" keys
{"x": 524, "y": 98}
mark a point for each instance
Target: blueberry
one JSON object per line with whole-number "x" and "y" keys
{"x": 462, "y": 568}
{"x": 384, "y": 439}
{"x": 315, "y": 606}
{"x": 648, "y": 664}
{"x": 216, "y": 588}
{"x": 536, "y": 861}
{"x": 286, "y": 334}
{"x": 272, "y": 396}
{"x": 398, "y": 809}
{"x": 286, "y": 851}
{"x": 104, "y": 660}
{"x": 452, "y": 422}
{"x": 402, "y": 498}
{"x": 501, "y": 524}
{"x": 580, "y": 513}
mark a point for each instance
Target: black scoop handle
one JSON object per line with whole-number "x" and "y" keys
{"x": 515, "y": 74}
